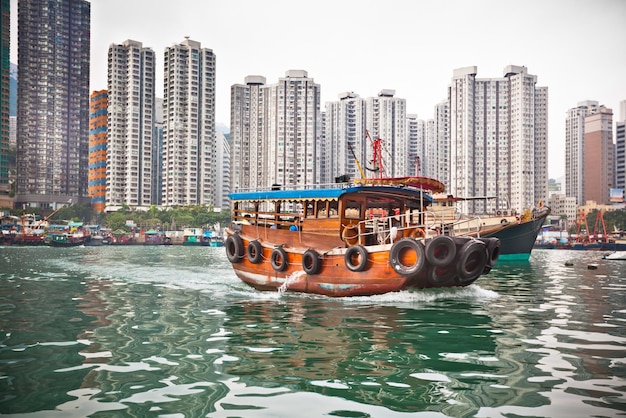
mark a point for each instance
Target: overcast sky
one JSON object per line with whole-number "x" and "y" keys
{"x": 575, "y": 47}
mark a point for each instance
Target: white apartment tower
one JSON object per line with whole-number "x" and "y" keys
{"x": 439, "y": 145}
{"x": 248, "y": 150}
{"x": 223, "y": 174}
{"x": 417, "y": 144}
{"x": 294, "y": 130}
{"x": 575, "y": 150}
{"x": 498, "y": 140}
{"x": 345, "y": 141}
{"x": 189, "y": 144}
{"x": 131, "y": 112}
{"x": 386, "y": 120}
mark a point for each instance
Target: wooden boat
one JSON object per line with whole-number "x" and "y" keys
{"x": 65, "y": 239}
{"x": 348, "y": 239}
{"x": 196, "y": 237}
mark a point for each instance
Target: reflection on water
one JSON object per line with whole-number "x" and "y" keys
{"x": 141, "y": 331}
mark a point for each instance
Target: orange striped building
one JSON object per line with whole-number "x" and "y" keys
{"x": 98, "y": 149}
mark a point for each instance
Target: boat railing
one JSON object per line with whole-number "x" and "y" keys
{"x": 458, "y": 225}
{"x": 315, "y": 186}
{"x": 388, "y": 229}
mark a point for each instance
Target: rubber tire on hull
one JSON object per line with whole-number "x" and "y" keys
{"x": 234, "y": 248}
{"x": 440, "y": 276}
{"x": 358, "y": 251}
{"x": 493, "y": 250}
{"x": 472, "y": 262}
{"x": 395, "y": 254}
{"x": 255, "y": 252}
{"x": 438, "y": 245}
{"x": 278, "y": 259}
{"x": 311, "y": 263}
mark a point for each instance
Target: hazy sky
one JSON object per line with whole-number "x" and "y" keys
{"x": 577, "y": 48}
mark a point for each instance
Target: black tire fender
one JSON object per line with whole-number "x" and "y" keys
{"x": 440, "y": 251}
{"x": 234, "y": 248}
{"x": 255, "y": 252}
{"x": 311, "y": 263}
{"x": 472, "y": 261}
{"x": 398, "y": 249}
{"x": 440, "y": 276}
{"x": 359, "y": 253}
{"x": 279, "y": 259}
{"x": 493, "y": 250}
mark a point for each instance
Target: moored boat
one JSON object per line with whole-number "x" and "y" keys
{"x": 617, "y": 255}
{"x": 517, "y": 232}
{"x": 518, "y": 237}
{"x": 348, "y": 239}
{"x": 65, "y": 239}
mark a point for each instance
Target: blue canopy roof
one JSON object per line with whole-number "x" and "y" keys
{"x": 322, "y": 194}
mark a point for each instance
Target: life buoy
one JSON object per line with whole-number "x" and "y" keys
{"x": 398, "y": 254}
{"x": 440, "y": 251}
{"x": 311, "y": 262}
{"x": 417, "y": 233}
{"x": 472, "y": 261}
{"x": 255, "y": 252}
{"x": 234, "y": 248}
{"x": 278, "y": 259}
{"x": 504, "y": 221}
{"x": 493, "y": 246}
{"x": 440, "y": 276}
{"x": 356, "y": 258}
{"x": 350, "y": 234}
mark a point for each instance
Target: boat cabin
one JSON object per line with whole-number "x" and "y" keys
{"x": 341, "y": 215}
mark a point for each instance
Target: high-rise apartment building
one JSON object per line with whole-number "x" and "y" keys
{"x": 598, "y": 159}
{"x": 53, "y": 102}
{"x": 417, "y": 143}
{"x": 386, "y": 120}
{"x": 223, "y": 172}
{"x": 345, "y": 142}
{"x": 575, "y": 148}
{"x": 189, "y": 145}
{"x": 498, "y": 139}
{"x": 247, "y": 133}
{"x": 276, "y": 132}
{"x": 439, "y": 145}
{"x": 294, "y": 131}
{"x": 131, "y": 83}
{"x": 620, "y": 155}
{"x": 5, "y": 68}
{"x": 620, "y": 150}
{"x": 97, "y": 178}
{"x": 157, "y": 153}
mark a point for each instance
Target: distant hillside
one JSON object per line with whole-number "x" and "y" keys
{"x": 13, "y": 90}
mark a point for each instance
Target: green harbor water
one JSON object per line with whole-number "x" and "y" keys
{"x": 134, "y": 331}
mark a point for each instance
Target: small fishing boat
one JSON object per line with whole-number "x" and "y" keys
{"x": 364, "y": 237}
{"x": 65, "y": 239}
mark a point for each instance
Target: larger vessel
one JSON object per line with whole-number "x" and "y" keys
{"x": 517, "y": 232}
{"x": 346, "y": 239}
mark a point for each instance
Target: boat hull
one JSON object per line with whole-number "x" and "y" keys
{"x": 350, "y": 271}
{"x": 518, "y": 239}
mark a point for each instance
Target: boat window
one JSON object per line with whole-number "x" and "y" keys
{"x": 310, "y": 209}
{"x": 327, "y": 209}
{"x": 352, "y": 209}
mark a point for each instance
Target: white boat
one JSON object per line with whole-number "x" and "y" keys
{"x": 617, "y": 255}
